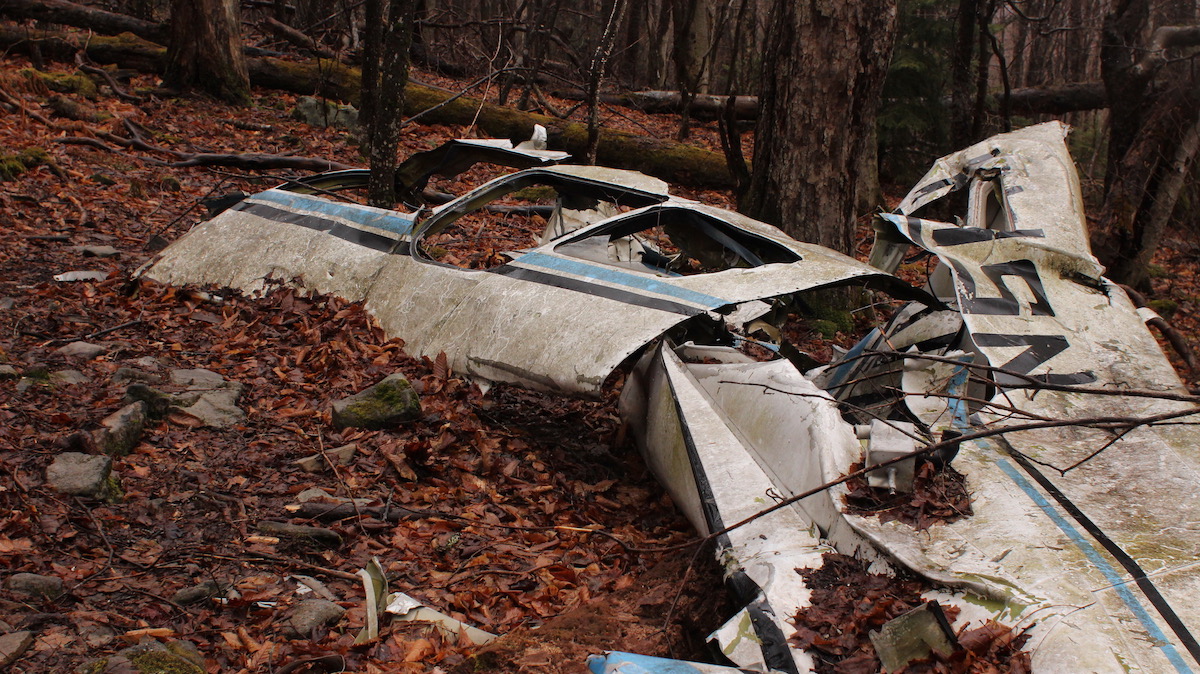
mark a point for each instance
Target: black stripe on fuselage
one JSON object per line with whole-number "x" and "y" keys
{"x": 607, "y": 292}
{"x": 776, "y": 653}
{"x": 343, "y": 231}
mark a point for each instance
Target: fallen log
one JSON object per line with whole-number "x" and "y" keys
{"x": 704, "y": 106}
{"x": 1057, "y": 100}
{"x": 669, "y": 160}
{"x": 71, "y": 14}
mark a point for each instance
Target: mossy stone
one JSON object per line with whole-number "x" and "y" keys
{"x": 389, "y": 403}
{"x": 163, "y": 662}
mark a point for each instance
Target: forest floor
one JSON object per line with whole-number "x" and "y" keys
{"x": 538, "y": 520}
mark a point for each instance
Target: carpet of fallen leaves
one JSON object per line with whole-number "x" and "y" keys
{"x": 534, "y": 519}
{"x": 848, "y": 603}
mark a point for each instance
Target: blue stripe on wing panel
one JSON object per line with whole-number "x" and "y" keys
{"x": 617, "y": 277}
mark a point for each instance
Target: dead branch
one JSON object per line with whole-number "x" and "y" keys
{"x": 1164, "y": 38}
{"x": 112, "y": 81}
{"x": 329, "y": 512}
{"x": 15, "y": 102}
{"x": 246, "y": 161}
{"x": 1124, "y": 423}
{"x": 295, "y": 37}
{"x": 260, "y": 162}
{"x": 1174, "y": 337}
{"x": 1039, "y": 384}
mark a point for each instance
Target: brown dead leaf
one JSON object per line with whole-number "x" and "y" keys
{"x": 156, "y": 632}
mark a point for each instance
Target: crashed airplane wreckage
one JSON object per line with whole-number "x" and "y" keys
{"x": 1020, "y": 364}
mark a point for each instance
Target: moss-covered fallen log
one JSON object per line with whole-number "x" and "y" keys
{"x": 671, "y": 161}
{"x": 72, "y": 14}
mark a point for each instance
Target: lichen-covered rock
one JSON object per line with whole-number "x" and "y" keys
{"x": 122, "y": 430}
{"x": 196, "y": 593}
{"x": 157, "y": 402}
{"x": 84, "y": 350}
{"x": 324, "y": 113}
{"x": 80, "y": 474}
{"x": 151, "y": 657}
{"x": 68, "y": 378}
{"x": 132, "y": 375}
{"x": 311, "y": 614}
{"x": 210, "y": 399}
{"x": 389, "y": 403}
{"x": 35, "y": 585}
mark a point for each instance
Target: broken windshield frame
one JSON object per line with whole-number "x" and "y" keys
{"x": 569, "y": 189}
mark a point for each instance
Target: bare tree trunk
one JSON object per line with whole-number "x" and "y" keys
{"x": 823, "y": 72}
{"x": 960, "y": 73}
{"x": 372, "y": 55}
{"x": 1145, "y": 186}
{"x": 599, "y": 64}
{"x": 206, "y": 50}
{"x": 387, "y": 108}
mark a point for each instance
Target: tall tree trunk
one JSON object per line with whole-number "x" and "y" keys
{"x": 961, "y": 75}
{"x": 1146, "y": 184}
{"x": 387, "y": 108}
{"x": 206, "y": 50}
{"x": 596, "y": 77}
{"x": 823, "y": 71}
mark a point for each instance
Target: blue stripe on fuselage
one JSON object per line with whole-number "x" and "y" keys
{"x": 350, "y": 213}
{"x": 617, "y": 277}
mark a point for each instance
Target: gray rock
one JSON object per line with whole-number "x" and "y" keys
{"x": 35, "y": 585}
{"x": 129, "y": 375}
{"x": 98, "y": 251}
{"x": 314, "y": 494}
{"x": 317, "y": 462}
{"x": 318, "y": 112}
{"x": 197, "y": 379}
{"x": 210, "y": 399}
{"x": 149, "y": 363}
{"x": 70, "y": 276}
{"x": 98, "y": 636}
{"x": 83, "y": 350}
{"x": 196, "y": 593}
{"x": 69, "y": 377}
{"x": 311, "y": 614}
{"x": 83, "y": 475}
{"x": 8, "y": 372}
{"x": 319, "y": 535}
{"x": 122, "y": 430}
{"x": 389, "y": 403}
{"x": 7, "y": 303}
{"x": 13, "y": 646}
